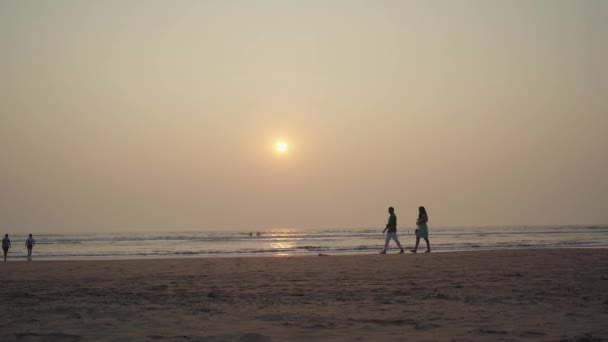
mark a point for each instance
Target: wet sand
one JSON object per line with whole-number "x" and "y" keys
{"x": 527, "y": 295}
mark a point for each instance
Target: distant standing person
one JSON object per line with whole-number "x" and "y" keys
{"x": 6, "y": 245}
{"x": 423, "y": 230}
{"x": 30, "y": 243}
{"x": 391, "y": 226}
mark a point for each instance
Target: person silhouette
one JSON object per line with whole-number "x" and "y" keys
{"x": 391, "y": 226}
{"x": 6, "y": 245}
{"x": 423, "y": 230}
{"x": 30, "y": 243}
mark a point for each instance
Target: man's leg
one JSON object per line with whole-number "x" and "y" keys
{"x": 396, "y": 238}
{"x": 387, "y": 240}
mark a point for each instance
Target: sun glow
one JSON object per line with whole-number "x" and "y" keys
{"x": 281, "y": 147}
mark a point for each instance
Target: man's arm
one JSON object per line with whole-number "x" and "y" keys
{"x": 387, "y": 225}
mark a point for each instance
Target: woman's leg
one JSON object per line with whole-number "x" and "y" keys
{"x": 416, "y": 248}
{"x": 428, "y": 245}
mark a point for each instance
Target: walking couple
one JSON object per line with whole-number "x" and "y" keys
{"x": 421, "y": 232}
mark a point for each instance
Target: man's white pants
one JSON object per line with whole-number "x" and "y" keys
{"x": 390, "y": 236}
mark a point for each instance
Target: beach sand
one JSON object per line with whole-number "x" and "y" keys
{"x": 509, "y": 295}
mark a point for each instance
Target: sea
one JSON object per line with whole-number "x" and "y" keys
{"x": 299, "y": 242}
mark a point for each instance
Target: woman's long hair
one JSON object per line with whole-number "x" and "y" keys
{"x": 422, "y": 211}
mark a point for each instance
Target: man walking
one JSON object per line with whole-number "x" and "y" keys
{"x": 391, "y": 226}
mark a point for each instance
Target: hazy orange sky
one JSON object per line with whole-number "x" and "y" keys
{"x": 162, "y": 115}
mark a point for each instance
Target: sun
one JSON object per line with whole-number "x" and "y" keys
{"x": 281, "y": 147}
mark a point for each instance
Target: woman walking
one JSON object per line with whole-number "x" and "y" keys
{"x": 423, "y": 230}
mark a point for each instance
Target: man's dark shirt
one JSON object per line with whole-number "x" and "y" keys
{"x": 392, "y": 223}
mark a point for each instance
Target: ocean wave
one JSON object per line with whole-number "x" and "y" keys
{"x": 490, "y": 232}
{"x": 354, "y": 241}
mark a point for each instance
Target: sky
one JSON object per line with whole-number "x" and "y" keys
{"x": 164, "y": 115}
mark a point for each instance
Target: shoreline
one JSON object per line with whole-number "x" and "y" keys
{"x": 34, "y": 258}
{"x": 297, "y": 243}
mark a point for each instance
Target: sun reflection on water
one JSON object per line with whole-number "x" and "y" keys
{"x": 281, "y": 242}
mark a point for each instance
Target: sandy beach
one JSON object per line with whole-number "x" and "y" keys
{"x": 534, "y": 295}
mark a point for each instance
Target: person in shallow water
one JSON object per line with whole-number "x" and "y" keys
{"x": 30, "y": 243}
{"x": 423, "y": 230}
{"x": 391, "y": 226}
